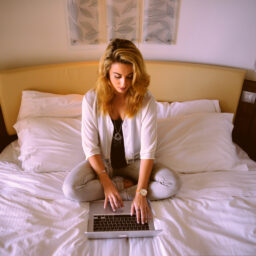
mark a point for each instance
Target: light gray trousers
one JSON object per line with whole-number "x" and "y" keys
{"x": 82, "y": 183}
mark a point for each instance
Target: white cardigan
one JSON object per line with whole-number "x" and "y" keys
{"x": 139, "y": 132}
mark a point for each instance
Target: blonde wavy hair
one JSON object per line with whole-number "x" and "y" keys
{"x": 122, "y": 51}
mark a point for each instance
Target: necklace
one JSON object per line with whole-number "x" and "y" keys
{"x": 117, "y": 133}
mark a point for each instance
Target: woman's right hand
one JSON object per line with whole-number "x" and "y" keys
{"x": 111, "y": 193}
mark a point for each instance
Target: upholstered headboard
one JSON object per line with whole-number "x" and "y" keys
{"x": 170, "y": 81}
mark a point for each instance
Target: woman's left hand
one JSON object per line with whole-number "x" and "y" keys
{"x": 141, "y": 208}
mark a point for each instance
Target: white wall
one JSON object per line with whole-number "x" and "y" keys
{"x": 222, "y": 32}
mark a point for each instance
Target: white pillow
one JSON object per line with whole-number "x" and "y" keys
{"x": 165, "y": 109}
{"x": 49, "y": 144}
{"x": 198, "y": 142}
{"x": 42, "y": 104}
{"x": 194, "y": 106}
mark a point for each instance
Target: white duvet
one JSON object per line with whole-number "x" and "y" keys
{"x": 214, "y": 213}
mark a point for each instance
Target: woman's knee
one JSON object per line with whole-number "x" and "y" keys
{"x": 77, "y": 178}
{"x": 174, "y": 186}
{"x": 69, "y": 191}
{"x": 169, "y": 180}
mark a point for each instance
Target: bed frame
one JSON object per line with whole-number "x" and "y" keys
{"x": 170, "y": 81}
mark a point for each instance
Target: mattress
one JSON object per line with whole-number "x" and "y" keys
{"x": 214, "y": 213}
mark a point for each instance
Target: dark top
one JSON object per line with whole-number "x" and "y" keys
{"x": 117, "y": 146}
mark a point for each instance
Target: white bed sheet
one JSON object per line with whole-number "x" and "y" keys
{"x": 214, "y": 213}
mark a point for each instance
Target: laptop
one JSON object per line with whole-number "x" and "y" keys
{"x": 104, "y": 223}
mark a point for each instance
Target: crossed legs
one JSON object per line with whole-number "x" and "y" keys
{"x": 82, "y": 184}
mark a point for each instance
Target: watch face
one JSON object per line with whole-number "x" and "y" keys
{"x": 143, "y": 192}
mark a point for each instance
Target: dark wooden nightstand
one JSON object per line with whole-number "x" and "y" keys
{"x": 244, "y": 132}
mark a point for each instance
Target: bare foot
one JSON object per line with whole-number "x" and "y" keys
{"x": 128, "y": 183}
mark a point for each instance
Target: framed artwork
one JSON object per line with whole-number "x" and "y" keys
{"x": 99, "y": 21}
{"x": 159, "y": 23}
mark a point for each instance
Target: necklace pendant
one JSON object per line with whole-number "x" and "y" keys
{"x": 117, "y": 136}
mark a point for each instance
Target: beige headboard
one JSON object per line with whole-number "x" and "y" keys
{"x": 170, "y": 81}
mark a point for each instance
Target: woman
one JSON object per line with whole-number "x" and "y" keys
{"x": 119, "y": 137}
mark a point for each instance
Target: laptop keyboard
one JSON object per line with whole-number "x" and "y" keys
{"x": 117, "y": 223}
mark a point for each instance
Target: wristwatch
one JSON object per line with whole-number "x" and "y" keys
{"x": 142, "y": 191}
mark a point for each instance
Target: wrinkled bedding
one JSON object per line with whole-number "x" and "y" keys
{"x": 214, "y": 213}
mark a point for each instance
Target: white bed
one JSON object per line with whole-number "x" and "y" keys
{"x": 214, "y": 213}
